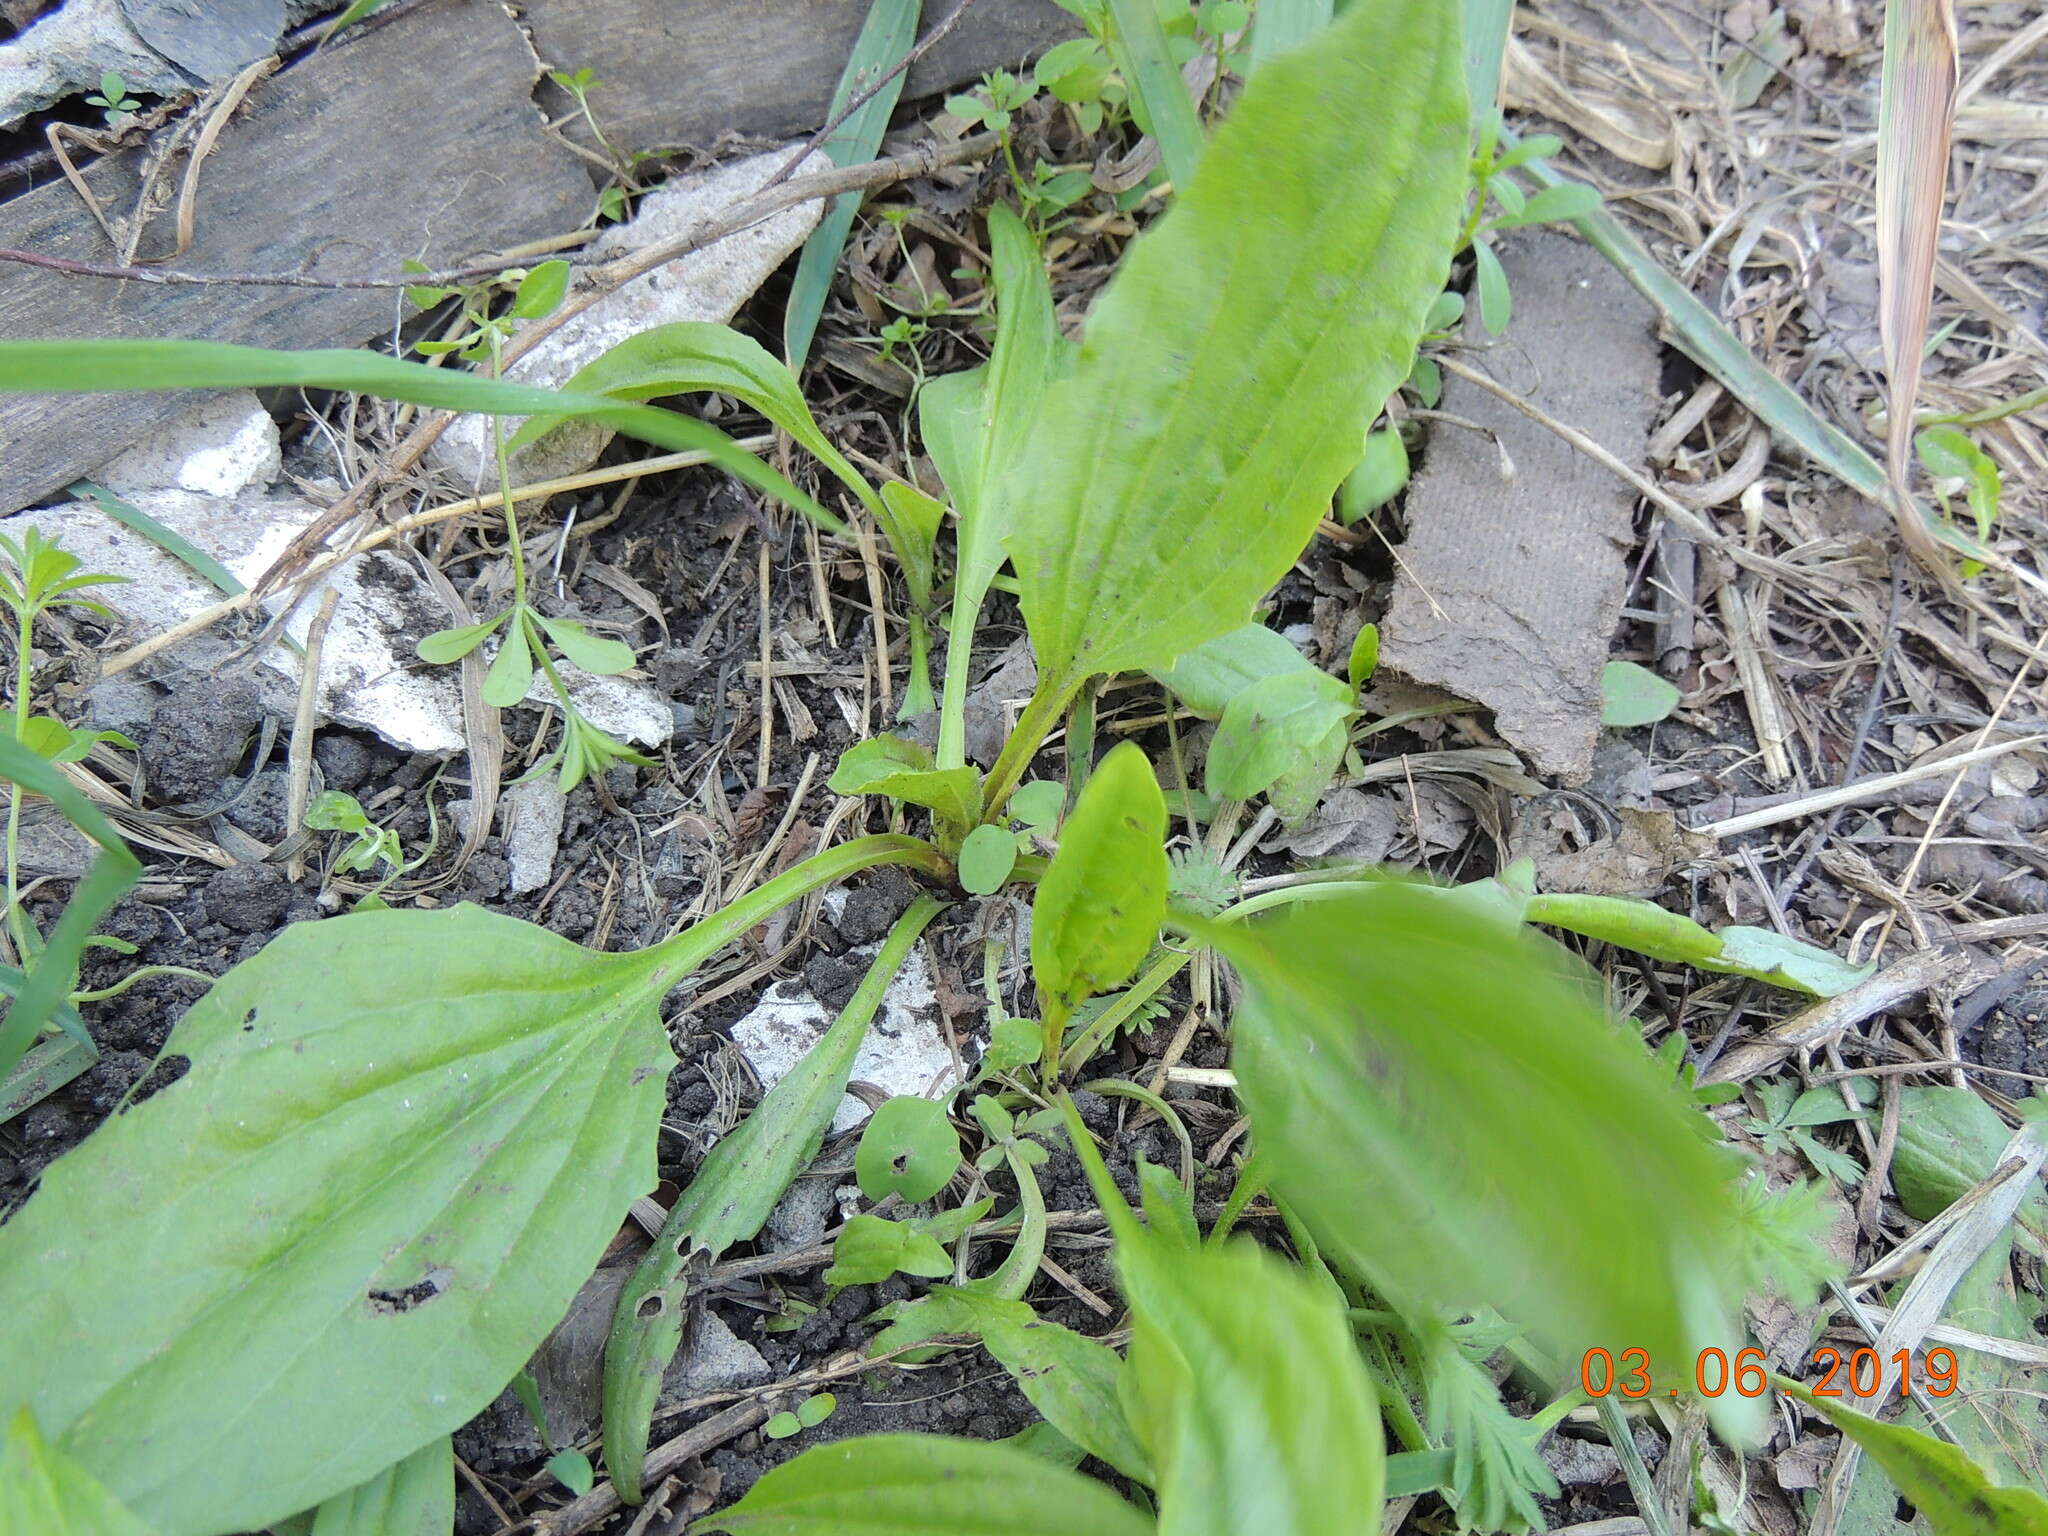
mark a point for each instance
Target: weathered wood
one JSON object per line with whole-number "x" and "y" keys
{"x": 1512, "y": 577}
{"x": 420, "y": 139}
{"x": 679, "y": 73}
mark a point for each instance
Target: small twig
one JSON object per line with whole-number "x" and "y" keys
{"x": 1863, "y": 789}
{"x": 299, "y": 755}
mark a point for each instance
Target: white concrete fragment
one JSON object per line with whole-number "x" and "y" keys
{"x": 221, "y": 447}
{"x": 531, "y": 814}
{"x": 710, "y": 284}
{"x": 370, "y": 678}
{"x": 904, "y": 1050}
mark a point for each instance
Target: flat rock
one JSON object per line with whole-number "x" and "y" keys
{"x": 904, "y": 1050}
{"x": 370, "y": 678}
{"x": 531, "y": 813}
{"x": 222, "y": 446}
{"x": 710, "y": 284}
{"x": 1511, "y": 583}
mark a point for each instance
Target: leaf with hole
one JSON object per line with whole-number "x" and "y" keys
{"x": 402, "y": 1143}
{"x": 909, "y": 1149}
{"x": 1230, "y": 370}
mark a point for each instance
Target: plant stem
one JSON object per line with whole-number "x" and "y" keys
{"x": 17, "y": 921}
{"x": 516, "y": 549}
{"x": 676, "y": 956}
{"x": 1048, "y": 703}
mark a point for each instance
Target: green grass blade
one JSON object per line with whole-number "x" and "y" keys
{"x": 55, "y": 971}
{"x": 172, "y": 543}
{"x": 1158, "y": 95}
{"x": 886, "y": 35}
{"x": 96, "y": 364}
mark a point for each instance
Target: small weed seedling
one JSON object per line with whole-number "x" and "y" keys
{"x": 113, "y": 99}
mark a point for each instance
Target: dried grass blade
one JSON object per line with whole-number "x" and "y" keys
{"x": 1915, "y": 119}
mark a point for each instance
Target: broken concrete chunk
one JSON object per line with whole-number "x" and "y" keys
{"x": 223, "y": 446}
{"x": 904, "y": 1050}
{"x": 1513, "y": 573}
{"x": 370, "y": 678}
{"x": 709, "y": 284}
{"x": 531, "y": 813}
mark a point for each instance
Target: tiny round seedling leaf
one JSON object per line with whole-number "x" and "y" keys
{"x": 1633, "y": 695}
{"x": 1038, "y": 804}
{"x": 987, "y": 856}
{"x": 1378, "y": 479}
{"x": 782, "y": 1426}
{"x": 814, "y": 1411}
{"x": 333, "y": 811}
{"x": 909, "y": 1148}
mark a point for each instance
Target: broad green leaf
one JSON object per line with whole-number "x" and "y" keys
{"x": 902, "y": 769}
{"x": 1070, "y": 1378}
{"x": 1949, "y": 1142}
{"x": 1281, "y": 25}
{"x": 403, "y": 1141}
{"x": 1634, "y": 695}
{"x": 43, "y": 995}
{"x": 541, "y": 290}
{"x": 885, "y": 37}
{"x": 911, "y": 1485}
{"x": 987, "y": 855}
{"x": 1244, "y": 1382}
{"x": 1277, "y": 726}
{"x": 692, "y": 356}
{"x": 909, "y": 1148}
{"x": 1231, "y": 368}
{"x": 599, "y": 657}
{"x": 332, "y": 810}
{"x": 1950, "y": 1491}
{"x": 739, "y": 1184}
{"x": 1099, "y": 904}
{"x": 94, "y": 364}
{"x": 511, "y": 672}
{"x": 872, "y": 1248}
{"x": 413, "y": 1497}
{"x": 973, "y": 424}
{"x": 1377, "y": 480}
{"x": 1438, "y": 1104}
{"x": 1208, "y": 677}
{"x": 446, "y": 645}
{"x": 43, "y": 1492}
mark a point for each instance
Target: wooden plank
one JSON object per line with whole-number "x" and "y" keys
{"x": 680, "y": 73}
{"x": 420, "y": 139}
{"x": 1512, "y": 578}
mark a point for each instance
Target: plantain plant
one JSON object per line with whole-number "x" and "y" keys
{"x": 405, "y": 1137}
